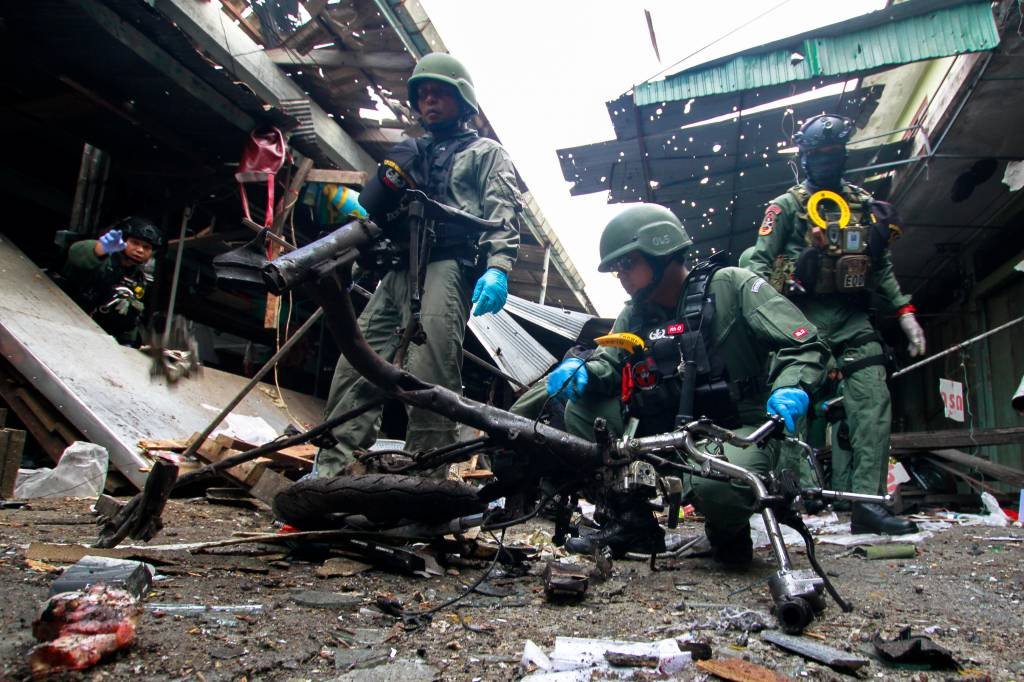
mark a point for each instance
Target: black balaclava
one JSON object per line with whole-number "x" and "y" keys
{"x": 824, "y": 167}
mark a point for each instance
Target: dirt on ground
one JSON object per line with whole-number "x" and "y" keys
{"x": 963, "y": 589}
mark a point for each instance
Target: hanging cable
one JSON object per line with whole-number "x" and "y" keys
{"x": 719, "y": 39}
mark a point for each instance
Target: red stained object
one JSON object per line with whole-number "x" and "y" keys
{"x": 79, "y": 629}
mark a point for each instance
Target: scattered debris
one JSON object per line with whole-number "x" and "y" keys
{"x": 578, "y": 653}
{"x": 733, "y": 618}
{"x": 319, "y": 599}
{"x": 915, "y": 650}
{"x": 343, "y": 567}
{"x": 564, "y": 581}
{"x": 832, "y": 657}
{"x": 81, "y": 472}
{"x": 699, "y": 651}
{"x": 78, "y": 629}
{"x": 135, "y": 577}
{"x": 892, "y": 551}
{"x": 407, "y": 670}
{"x": 739, "y": 670}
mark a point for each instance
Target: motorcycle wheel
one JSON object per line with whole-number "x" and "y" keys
{"x": 316, "y": 503}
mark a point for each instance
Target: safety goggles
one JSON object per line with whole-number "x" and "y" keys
{"x": 626, "y": 263}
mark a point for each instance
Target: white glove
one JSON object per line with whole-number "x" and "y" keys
{"x": 914, "y": 334}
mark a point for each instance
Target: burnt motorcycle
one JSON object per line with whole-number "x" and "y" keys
{"x": 394, "y": 502}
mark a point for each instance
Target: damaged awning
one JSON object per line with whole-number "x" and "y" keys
{"x": 903, "y": 33}
{"x": 713, "y": 143}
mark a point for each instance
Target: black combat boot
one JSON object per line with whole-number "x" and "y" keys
{"x": 733, "y": 549}
{"x": 869, "y": 517}
{"x": 632, "y": 530}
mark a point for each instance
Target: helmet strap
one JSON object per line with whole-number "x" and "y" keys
{"x": 658, "y": 267}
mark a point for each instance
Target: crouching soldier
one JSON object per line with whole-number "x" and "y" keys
{"x": 727, "y": 321}
{"x": 109, "y": 276}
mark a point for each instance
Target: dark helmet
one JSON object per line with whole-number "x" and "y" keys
{"x": 651, "y": 229}
{"x": 445, "y": 68}
{"x": 823, "y": 130}
{"x": 142, "y": 229}
{"x": 822, "y": 142}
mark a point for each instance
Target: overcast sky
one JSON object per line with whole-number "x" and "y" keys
{"x": 544, "y": 70}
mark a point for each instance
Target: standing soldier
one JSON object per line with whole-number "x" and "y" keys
{"x": 109, "y": 276}
{"x": 825, "y": 244}
{"x": 724, "y": 320}
{"x": 453, "y": 165}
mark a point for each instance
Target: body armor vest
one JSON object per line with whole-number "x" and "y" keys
{"x": 840, "y": 254}
{"x": 679, "y": 375}
{"x": 433, "y": 174}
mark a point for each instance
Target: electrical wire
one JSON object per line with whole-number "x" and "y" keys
{"x": 720, "y": 39}
{"x": 414, "y": 616}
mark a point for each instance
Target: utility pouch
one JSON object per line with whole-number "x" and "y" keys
{"x": 782, "y": 274}
{"x": 851, "y": 273}
{"x": 807, "y": 270}
{"x": 715, "y": 399}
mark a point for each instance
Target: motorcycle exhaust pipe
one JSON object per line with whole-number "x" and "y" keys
{"x": 292, "y": 269}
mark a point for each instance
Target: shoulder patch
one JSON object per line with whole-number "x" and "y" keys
{"x": 756, "y": 287}
{"x": 800, "y": 332}
{"x": 768, "y": 224}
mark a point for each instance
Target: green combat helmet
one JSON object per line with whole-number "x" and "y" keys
{"x": 651, "y": 229}
{"x": 439, "y": 66}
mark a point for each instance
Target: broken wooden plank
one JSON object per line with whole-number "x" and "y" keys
{"x": 338, "y": 177}
{"x": 12, "y": 445}
{"x": 830, "y": 656}
{"x": 1014, "y": 477}
{"x": 957, "y": 438}
{"x": 738, "y": 670}
{"x": 69, "y": 554}
{"x": 171, "y": 444}
{"x": 213, "y": 451}
{"x": 268, "y": 485}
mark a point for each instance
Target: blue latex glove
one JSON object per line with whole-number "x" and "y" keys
{"x": 111, "y": 242}
{"x": 569, "y": 379}
{"x": 790, "y": 404}
{"x": 491, "y": 292}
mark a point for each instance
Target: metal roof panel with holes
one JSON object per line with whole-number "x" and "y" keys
{"x": 900, "y": 34}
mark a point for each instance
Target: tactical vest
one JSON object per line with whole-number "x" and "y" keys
{"x": 115, "y": 300}
{"x": 839, "y": 259}
{"x": 433, "y": 174}
{"x": 654, "y": 390}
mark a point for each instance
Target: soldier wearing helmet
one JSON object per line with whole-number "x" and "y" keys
{"x": 725, "y": 321}
{"x": 454, "y": 165}
{"x": 109, "y": 276}
{"x": 825, "y": 244}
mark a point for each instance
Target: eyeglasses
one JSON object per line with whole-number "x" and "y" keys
{"x": 625, "y": 264}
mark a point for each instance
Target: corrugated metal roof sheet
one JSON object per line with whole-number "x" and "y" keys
{"x": 895, "y": 38}
{"x": 513, "y": 350}
{"x": 565, "y": 323}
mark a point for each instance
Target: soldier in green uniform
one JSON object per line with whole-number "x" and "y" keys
{"x": 724, "y": 320}
{"x": 109, "y": 276}
{"x": 455, "y": 166}
{"x": 825, "y": 244}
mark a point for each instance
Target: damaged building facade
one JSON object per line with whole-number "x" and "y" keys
{"x": 932, "y": 87}
{"x": 127, "y": 108}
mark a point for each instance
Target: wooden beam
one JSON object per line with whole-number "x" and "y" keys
{"x": 1014, "y": 477}
{"x": 338, "y": 177}
{"x": 133, "y": 39}
{"x": 245, "y": 59}
{"x": 335, "y": 57}
{"x": 957, "y": 438}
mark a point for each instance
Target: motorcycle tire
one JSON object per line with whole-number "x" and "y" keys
{"x": 316, "y": 504}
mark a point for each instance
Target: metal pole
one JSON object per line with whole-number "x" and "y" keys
{"x": 177, "y": 271}
{"x": 267, "y": 366}
{"x": 959, "y": 346}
